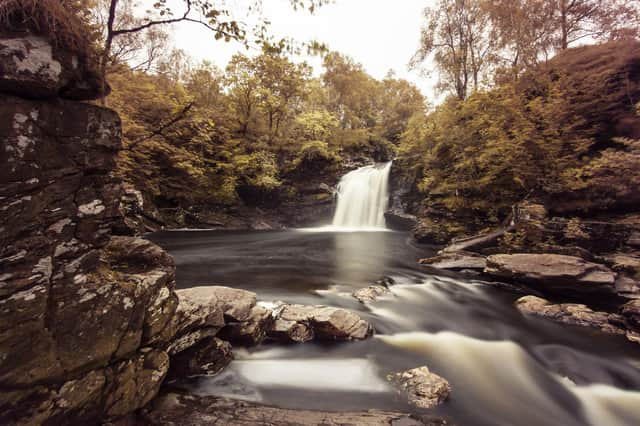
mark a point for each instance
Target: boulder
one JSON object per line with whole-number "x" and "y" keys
{"x": 371, "y": 293}
{"x": 549, "y": 271}
{"x": 422, "y": 388}
{"x": 572, "y": 314}
{"x": 207, "y": 357}
{"x": 327, "y": 323}
{"x": 455, "y": 261}
{"x": 174, "y": 408}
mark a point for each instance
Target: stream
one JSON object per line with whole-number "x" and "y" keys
{"x": 504, "y": 368}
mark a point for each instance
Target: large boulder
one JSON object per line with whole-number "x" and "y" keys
{"x": 552, "y": 271}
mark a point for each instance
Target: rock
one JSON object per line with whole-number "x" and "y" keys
{"x": 631, "y": 313}
{"x": 475, "y": 243}
{"x": 634, "y": 240}
{"x": 236, "y": 304}
{"x": 549, "y": 271}
{"x": 207, "y": 357}
{"x": 290, "y": 331}
{"x": 627, "y": 287}
{"x": 371, "y": 293}
{"x": 624, "y": 263}
{"x": 79, "y": 308}
{"x": 423, "y": 388}
{"x": 572, "y": 314}
{"x": 198, "y": 308}
{"x": 428, "y": 231}
{"x": 385, "y": 281}
{"x": 173, "y": 409}
{"x": 456, "y": 262}
{"x": 327, "y": 323}
{"x": 32, "y": 67}
{"x": 133, "y": 383}
{"x": 400, "y": 221}
{"x": 252, "y": 331}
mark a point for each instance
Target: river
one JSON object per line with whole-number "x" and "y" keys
{"x": 504, "y": 368}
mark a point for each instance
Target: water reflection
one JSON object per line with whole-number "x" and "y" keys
{"x": 359, "y": 257}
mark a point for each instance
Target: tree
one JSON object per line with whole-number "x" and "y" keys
{"x": 458, "y": 35}
{"x": 281, "y": 86}
{"x": 596, "y": 19}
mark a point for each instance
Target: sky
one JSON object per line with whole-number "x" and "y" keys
{"x": 382, "y": 35}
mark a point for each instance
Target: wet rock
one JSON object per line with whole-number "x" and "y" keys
{"x": 173, "y": 409}
{"x": 572, "y": 314}
{"x": 552, "y": 270}
{"x": 423, "y": 388}
{"x": 327, "y": 323}
{"x": 207, "y": 357}
{"x": 252, "y": 331}
{"x": 290, "y": 331}
{"x": 385, "y": 281}
{"x": 371, "y": 293}
{"x": 456, "y": 262}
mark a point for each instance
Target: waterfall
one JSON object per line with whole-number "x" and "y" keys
{"x": 363, "y": 197}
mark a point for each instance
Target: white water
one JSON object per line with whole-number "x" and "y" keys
{"x": 362, "y": 198}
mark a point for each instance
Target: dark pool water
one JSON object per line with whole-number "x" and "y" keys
{"x": 504, "y": 368}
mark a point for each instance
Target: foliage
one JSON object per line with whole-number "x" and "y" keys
{"x": 565, "y": 132}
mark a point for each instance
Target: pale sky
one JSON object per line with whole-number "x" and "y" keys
{"x": 379, "y": 34}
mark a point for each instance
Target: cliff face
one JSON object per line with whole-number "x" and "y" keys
{"x": 81, "y": 332}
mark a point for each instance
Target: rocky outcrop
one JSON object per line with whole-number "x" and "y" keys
{"x": 552, "y": 271}
{"x": 83, "y": 314}
{"x": 174, "y": 408}
{"x": 422, "y": 388}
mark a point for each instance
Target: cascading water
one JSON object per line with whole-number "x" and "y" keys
{"x": 363, "y": 197}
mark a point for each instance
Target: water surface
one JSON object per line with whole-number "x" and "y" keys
{"x": 504, "y": 368}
